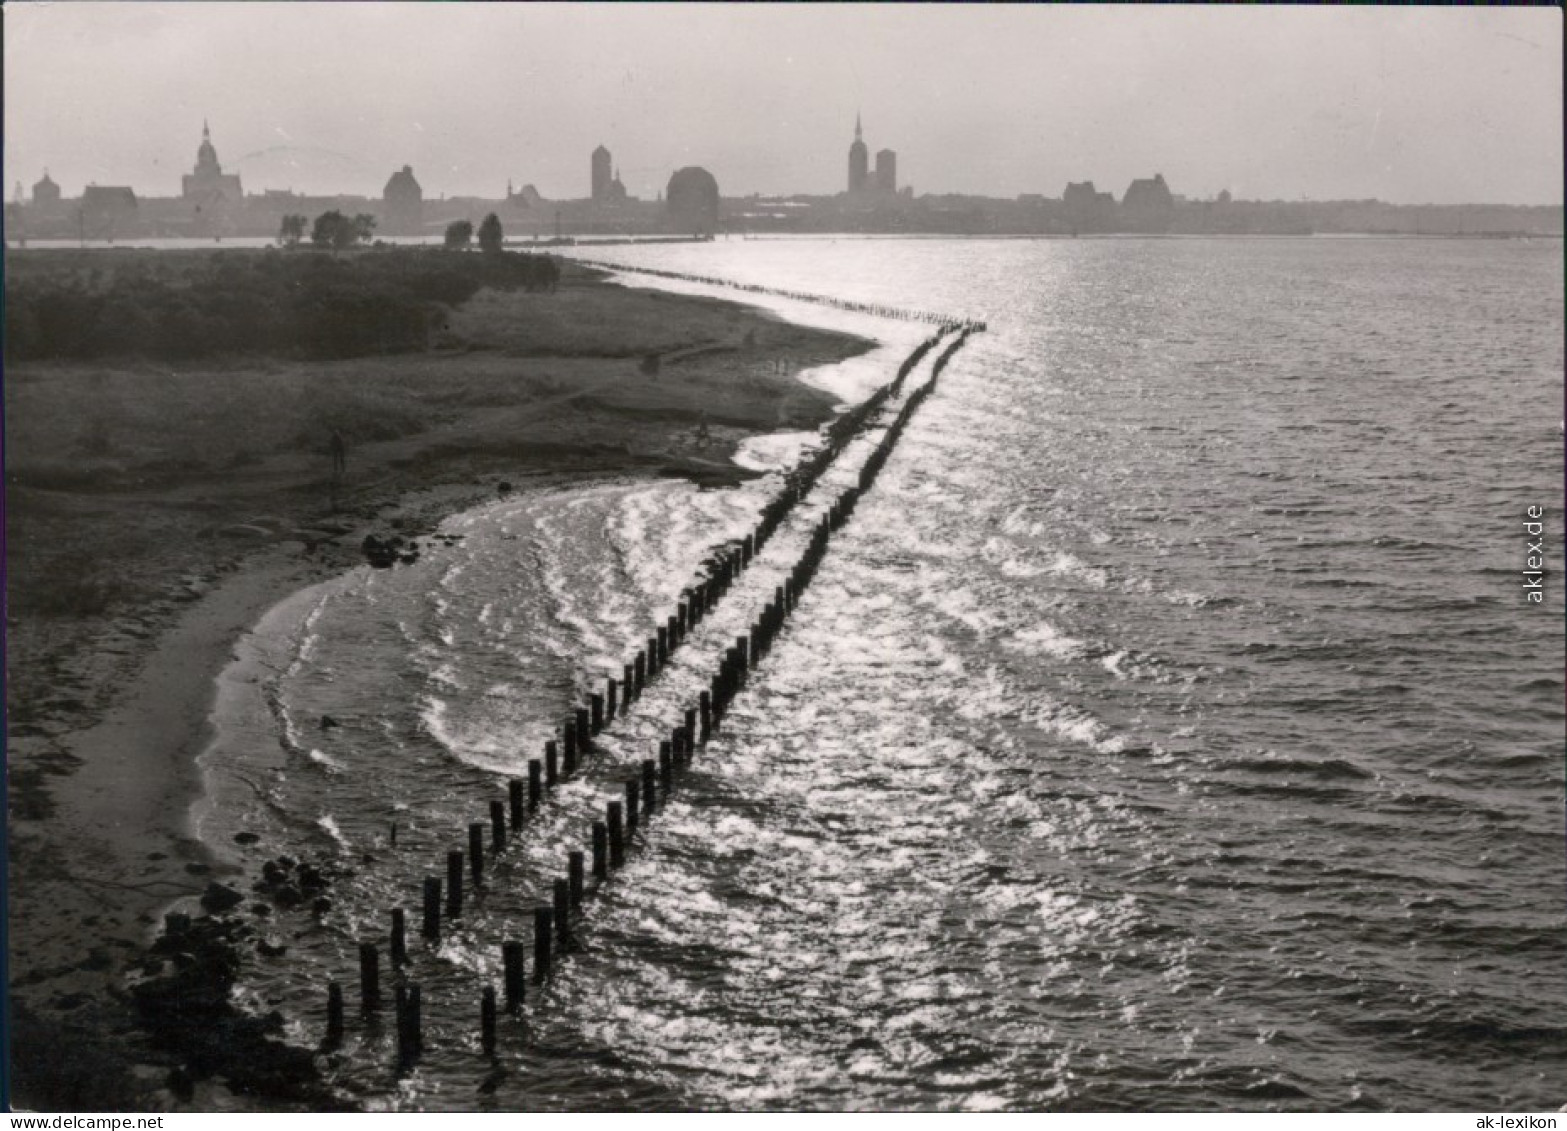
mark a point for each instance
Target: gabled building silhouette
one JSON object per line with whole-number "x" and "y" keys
{"x": 402, "y": 204}
{"x": 1148, "y": 204}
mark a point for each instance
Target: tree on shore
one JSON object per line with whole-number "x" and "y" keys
{"x": 490, "y": 234}
{"x": 332, "y": 230}
{"x": 292, "y": 230}
{"x": 336, "y": 231}
{"x": 459, "y": 234}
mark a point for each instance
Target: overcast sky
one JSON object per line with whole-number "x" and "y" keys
{"x": 1410, "y": 105}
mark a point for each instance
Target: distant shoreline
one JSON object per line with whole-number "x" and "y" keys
{"x": 194, "y": 243}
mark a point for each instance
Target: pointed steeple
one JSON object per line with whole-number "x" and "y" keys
{"x": 859, "y": 158}
{"x": 206, "y": 134}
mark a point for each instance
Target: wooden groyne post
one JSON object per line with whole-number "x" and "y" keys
{"x": 497, "y": 827}
{"x": 432, "y": 907}
{"x": 487, "y": 1019}
{"x": 649, "y": 785}
{"x": 511, "y": 967}
{"x": 476, "y": 854}
{"x": 334, "y": 1013}
{"x": 542, "y": 929}
{"x": 600, "y": 851}
{"x": 454, "y": 883}
{"x": 560, "y": 892}
{"x": 617, "y": 836}
{"x": 369, "y": 977}
{"x": 399, "y": 938}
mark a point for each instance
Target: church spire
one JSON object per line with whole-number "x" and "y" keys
{"x": 206, "y": 155}
{"x": 857, "y": 125}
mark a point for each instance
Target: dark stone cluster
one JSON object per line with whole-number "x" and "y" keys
{"x": 384, "y": 553}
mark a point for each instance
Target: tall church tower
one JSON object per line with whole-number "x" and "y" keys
{"x": 859, "y": 161}
{"x": 207, "y": 183}
{"x": 601, "y": 173}
{"x": 207, "y": 155}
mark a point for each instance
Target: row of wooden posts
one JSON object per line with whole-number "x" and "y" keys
{"x": 881, "y": 310}
{"x": 648, "y": 789}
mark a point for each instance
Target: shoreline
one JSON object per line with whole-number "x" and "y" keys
{"x": 122, "y": 847}
{"x": 117, "y": 843}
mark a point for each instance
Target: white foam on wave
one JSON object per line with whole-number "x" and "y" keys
{"x": 775, "y": 452}
{"x": 1112, "y": 663}
{"x": 1069, "y": 565}
{"x": 1071, "y": 723}
{"x": 1018, "y": 522}
{"x": 1019, "y": 569}
{"x": 322, "y": 758}
{"x": 960, "y": 605}
{"x": 445, "y": 675}
{"x": 1187, "y": 598}
{"x": 328, "y": 825}
{"x": 494, "y": 747}
{"x": 1045, "y": 637}
{"x": 306, "y": 639}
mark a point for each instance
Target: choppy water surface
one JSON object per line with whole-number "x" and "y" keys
{"x": 1167, "y": 729}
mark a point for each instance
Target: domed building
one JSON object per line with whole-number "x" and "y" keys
{"x": 691, "y": 202}
{"x": 208, "y": 184}
{"x": 46, "y": 194}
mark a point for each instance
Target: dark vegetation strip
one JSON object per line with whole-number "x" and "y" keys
{"x": 178, "y": 306}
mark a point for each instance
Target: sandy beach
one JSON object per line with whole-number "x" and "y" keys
{"x": 132, "y": 574}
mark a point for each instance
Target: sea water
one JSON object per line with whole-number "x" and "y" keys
{"x": 1168, "y": 728}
